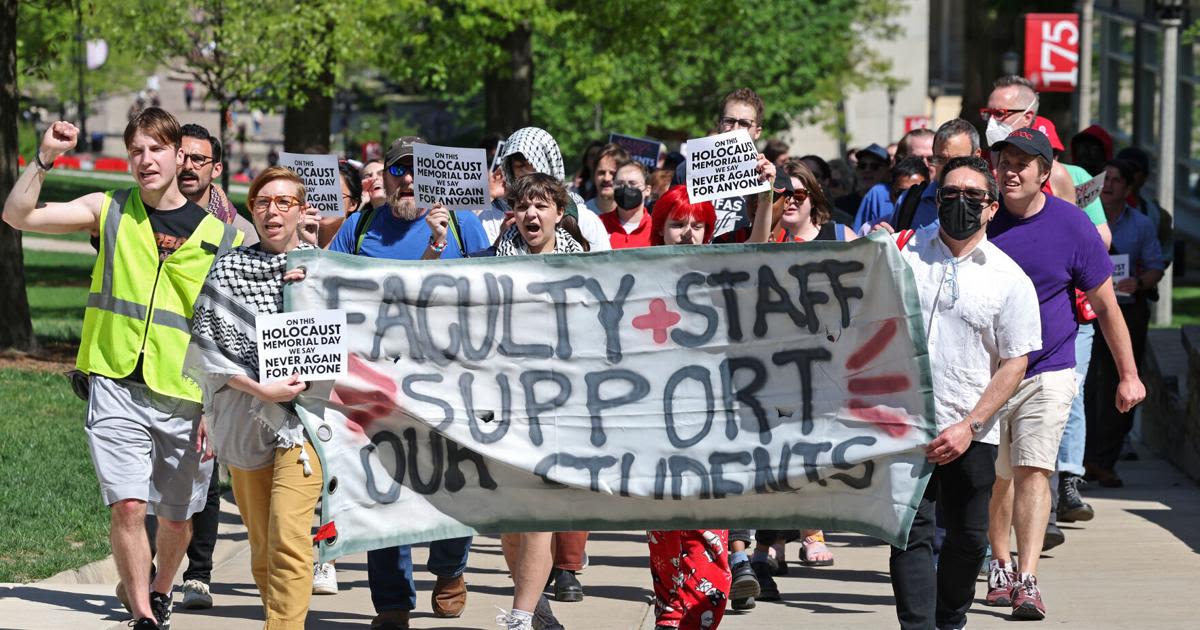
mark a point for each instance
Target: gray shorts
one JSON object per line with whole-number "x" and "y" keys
{"x": 142, "y": 446}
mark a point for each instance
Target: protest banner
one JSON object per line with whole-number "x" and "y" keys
{"x": 1121, "y": 270}
{"x": 1087, "y": 192}
{"x": 309, "y": 343}
{"x": 456, "y": 178}
{"x": 778, "y": 386}
{"x": 322, "y": 183}
{"x": 641, "y": 150}
{"x": 722, "y": 166}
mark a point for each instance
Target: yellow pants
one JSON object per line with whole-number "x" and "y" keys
{"x": 277, "y": 505}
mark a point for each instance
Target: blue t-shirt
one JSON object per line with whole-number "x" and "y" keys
{"x": 1060, "y": 250}
{"x": 876, "y": 206}
{"x": 397, "y": 239}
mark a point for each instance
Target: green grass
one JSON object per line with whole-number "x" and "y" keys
{"x": 51, "y": 513}
{"x": 57, "y": 286}
{"x": 1186, "y": 310}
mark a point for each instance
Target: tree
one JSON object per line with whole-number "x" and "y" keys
{"x": 631, "y": 66}
{"x": 17, "y": 329}
{"x": 263, "y": 52}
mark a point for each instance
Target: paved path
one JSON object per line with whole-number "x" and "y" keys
{"x": 1133, "y": 567}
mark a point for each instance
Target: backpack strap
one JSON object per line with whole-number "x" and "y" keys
{"x": 456, "y": 231}
{"x": 908, "y": 209}
{"x": 360, "y": 230}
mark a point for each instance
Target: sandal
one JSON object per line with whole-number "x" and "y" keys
{"x": 811, "y": 547}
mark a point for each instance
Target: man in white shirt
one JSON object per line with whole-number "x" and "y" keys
{"x": 981, "y": 320}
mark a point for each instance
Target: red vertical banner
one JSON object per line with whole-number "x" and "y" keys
{"x": 1052, "y": 51}
{"x": 915, "y": 122}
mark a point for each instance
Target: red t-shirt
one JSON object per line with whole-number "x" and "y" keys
{"x": 619, "y": 239}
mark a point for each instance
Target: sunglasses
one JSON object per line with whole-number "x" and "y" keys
{"x": 799, "y": 195}
{"x": 987, "y": 113}
{"x": 869, "y": 165}
{"x": 949, "y": 194}
{"x": 198, "y": 160}
{"x": 728, "y": 122}
{"x": 283, "y": 202}
{"x": 399, "y": 170}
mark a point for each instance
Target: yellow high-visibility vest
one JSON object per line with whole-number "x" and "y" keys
{"x": 137, "y": 308}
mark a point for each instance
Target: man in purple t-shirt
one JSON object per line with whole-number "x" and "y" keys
{"x": 1057, "y": 247}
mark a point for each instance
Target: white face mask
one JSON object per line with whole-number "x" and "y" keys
{"x": 997, "y": 131}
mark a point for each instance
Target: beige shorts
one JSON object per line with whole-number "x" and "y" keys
{"x": 1032, "y": 422}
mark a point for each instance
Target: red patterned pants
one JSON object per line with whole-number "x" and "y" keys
{"x": 690, "y": 569}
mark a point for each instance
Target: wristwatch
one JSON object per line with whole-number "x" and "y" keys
{"x": 976, "y": 426}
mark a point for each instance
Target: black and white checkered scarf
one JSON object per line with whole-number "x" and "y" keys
{"x": 243, "y": 284}
{"x": 512, "y": 244}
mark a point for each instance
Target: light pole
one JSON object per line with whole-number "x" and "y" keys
{"x": 935, "y": 92}
{"x": 1169, "y": 14}
{"x": 1084, "y": 111}
{"x": 891, "y": 96}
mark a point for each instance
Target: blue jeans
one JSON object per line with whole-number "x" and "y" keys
{"x": 1074, "y": 439}
{"x": 390, "y": 571}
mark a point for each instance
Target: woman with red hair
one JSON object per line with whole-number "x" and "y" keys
{"x": 689, "y": 568}
{"x": 678, "y": 221}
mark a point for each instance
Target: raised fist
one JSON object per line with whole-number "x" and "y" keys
{"x": 60, "y": 138}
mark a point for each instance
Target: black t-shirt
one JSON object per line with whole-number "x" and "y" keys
{"x": 173, "y": 227}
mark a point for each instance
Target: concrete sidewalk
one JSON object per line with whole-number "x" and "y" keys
{"x": 1132, "y": 567}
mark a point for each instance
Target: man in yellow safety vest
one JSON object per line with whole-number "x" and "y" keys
{"x": 144, "y": 422}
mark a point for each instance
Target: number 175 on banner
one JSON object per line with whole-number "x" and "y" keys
{"x": 1052, "y": 51}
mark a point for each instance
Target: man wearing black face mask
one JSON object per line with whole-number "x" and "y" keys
{"x": 982, "y": 321}
{"x": 629, "y": 226}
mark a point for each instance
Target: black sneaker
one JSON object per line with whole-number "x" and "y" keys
{"x": 543, "y": 617}
{"x": 1071, "y": 506}
{"x": 567, "y": 587}
{"x": 745, "y": 585}
{"x": 145, "y": 623}
{"x": 161, "y": 605}
{"x": 768, "y": 591}
{"x": 743, "y": 604}
{"x": 1054, "y": 537}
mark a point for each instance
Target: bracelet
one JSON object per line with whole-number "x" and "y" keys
{"x": 37, "y": 159}
{"x": 437, "y": 249}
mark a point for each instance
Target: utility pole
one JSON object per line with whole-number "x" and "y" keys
{"x": 1169, "y": 14}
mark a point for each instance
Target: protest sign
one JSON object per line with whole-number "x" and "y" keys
{"x": 322, "y": 183}
{"x": 1087, "y": 192}
{"x": 777, "y": 386}
{"x": 1120, "y": 269}
{"x": 497, "y": 157}
{"x": 456, "y": 178}
{"x": 309, "y": 343}
{"x": 641, "y": 150}
{"x": 722, "y": 166}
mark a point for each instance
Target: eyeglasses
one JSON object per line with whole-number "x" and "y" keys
{"x": 729, "y": 122}
{"x": 198, "y": 160}
{"x": 283, "y": 202}
{"x": 399, "y": 170}
{"x": 949, "y": 194}
{"x": 987, "y": 113}
{"x": 799, "y": 194}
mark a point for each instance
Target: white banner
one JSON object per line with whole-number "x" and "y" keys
{"x": 1088, "y": 191}
{"x": 782, "y": 386}
{"x": 456, "y": 178}
{"x": 322, "y": 180}
{"x": 722, "y": 166}
{"x": 311, "y": 344}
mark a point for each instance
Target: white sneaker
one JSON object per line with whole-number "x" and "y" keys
{"x": 324, "y": 579}
{"x": 509, "y": 621}
{"x": 196, "y": 595}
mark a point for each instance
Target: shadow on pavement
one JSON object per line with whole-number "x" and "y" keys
{"x": 105, "y": 607}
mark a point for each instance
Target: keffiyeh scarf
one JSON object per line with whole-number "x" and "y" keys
{"x": 512, "y": 244}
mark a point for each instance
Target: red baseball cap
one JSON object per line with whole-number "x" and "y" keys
{"x": 1045, "y": 126}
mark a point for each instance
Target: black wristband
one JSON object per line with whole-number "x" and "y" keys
{"x": 37, "y": 159}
